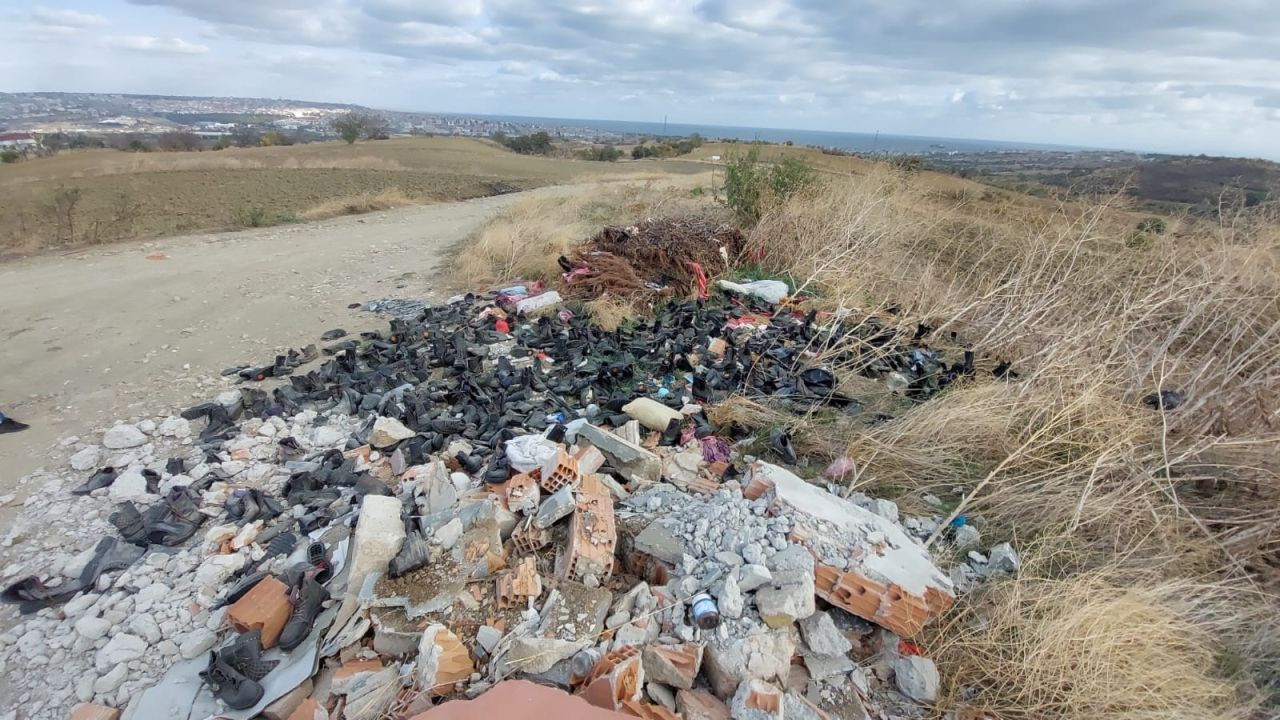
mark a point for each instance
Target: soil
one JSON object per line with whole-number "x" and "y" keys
{"x": 145, "y": 328}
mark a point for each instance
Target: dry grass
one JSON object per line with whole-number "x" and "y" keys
{"x": 359, "y": 204}
{"x": 609, "y": 313}
{"x": 1067, "y": 454}
{"x": 525, "y": 242}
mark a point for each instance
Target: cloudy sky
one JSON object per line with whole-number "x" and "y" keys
{"x": 1167, "y": 75}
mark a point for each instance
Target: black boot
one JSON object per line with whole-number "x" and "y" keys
{"x": 244, "y": 654}
{"x": 229, "y": 685}
{"x": 307, "y": 596}
{"x": 129, "y": 522}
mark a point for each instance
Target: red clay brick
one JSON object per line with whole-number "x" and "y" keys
{"x": 266, "y": 606}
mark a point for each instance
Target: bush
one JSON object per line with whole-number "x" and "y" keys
{"x": 1153, "y": 226}
{"x": 257, "y": 216}
{"x": 351, "y": 126}
{"x": 538, "y": 143}
{"x": 750, "y": 186}
{"x": 608, "y": 153}
{"x": 9, "y": 156}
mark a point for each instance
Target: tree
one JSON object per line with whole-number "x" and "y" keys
{"x": 352, "y": 125}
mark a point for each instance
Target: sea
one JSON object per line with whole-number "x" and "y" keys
{"x": 854, "y": 142}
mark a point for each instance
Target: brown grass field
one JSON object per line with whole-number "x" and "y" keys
{"x": 138, "y": 195}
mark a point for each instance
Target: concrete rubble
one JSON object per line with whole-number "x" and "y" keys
{"x": 458, "y": 585}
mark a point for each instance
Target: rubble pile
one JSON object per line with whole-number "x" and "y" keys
{"x": 475, "y": 499}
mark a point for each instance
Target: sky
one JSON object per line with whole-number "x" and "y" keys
{"x": 1183, "y": 76}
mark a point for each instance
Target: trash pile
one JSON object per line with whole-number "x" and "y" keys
{"x": 654, "y": 259}
{"x": 477, "y": 499}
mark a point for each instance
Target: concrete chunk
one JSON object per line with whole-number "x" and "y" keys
{"x": 790, "y": 597}
{"x": 558, "y": 505}
{"x": 387, "y": 432}
{"x": 378, "y": 537}
{"x": 629, "y": 459}
{"x": 917, "y": 678}
{"x": 822, "y": 637}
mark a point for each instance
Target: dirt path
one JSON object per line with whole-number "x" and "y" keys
{"x": 114, "y": 332}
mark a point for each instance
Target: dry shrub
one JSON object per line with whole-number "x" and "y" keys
{"x": 1097, "y": 644}
{"x": 525, "y": 242}
{"x": 358, "y": 204}
{"x": 1068, "y": 449}
{"x": 609, "y": 313}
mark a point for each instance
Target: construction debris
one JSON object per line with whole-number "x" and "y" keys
{"x": 477, "y": 498}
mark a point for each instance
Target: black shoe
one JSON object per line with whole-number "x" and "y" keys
{"x": 671, "y": 436}
{"x": 103, "y": 478}
{"x": 244, "y": 654}
{"x": 229, "y": 685}
{"x": 9, "y": 425}
{"x": 307, "y": 596}
{"x": 109, "y": 554}
{"x": 780, "y": 442}
{"x": 128, "y": 521}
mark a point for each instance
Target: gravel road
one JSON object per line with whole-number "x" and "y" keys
{"x": 115, "y": 332}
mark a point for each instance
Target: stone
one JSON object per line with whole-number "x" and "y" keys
{"x": 752, "y": 576}
{"x": 327, "y": 436}
{"x": 967, "y": 538}
{"x": 700, "y": 705}
{"x": 378, "y": 537}
{"x": 130, "y": 485}
{"x": 123, "y": 436}
{"x": 661, "y": 542}
{"x": 175, "y": 427}
{"x": 387, "y": 432}
{"x": 111, "y": 681}
{"x": 916, "y": 677}
{"x": 661, "y": 694}
{"x": 488, "y": 637}
{"x": 558, "y": 505}
{"x": 632, "y": 461}
{"x": 674, "y": 665}
{"x": 448, "y": 534}
{"x": 86, "y": 458}
{"x": 790, "y": 597}
{"x": 197, "y": 643}
{"x": 821, "y": 667}
{"x": 92, "y": 628}
{"x": 731, "y": 603}
{"x": 822, "y": 637}
{"x": 763, "y": 654}
{"x": 84, "y": 688}
{"x": 1003, "y": 558}
{"x": 121, "y": 649}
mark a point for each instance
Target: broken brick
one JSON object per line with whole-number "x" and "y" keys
{"x": 592, "y": 536}
{"x": 616, "y": 678}
{"x": 310, "y": 710}
{"x": 560, "y": 471}
{"x": 527, "y": 538}
{"x": 700, "y": 705}
{"x": 89, "y": 711}
{"x": 521, "y": 493}
{"x": 265, "y": 607}
{"x": 516, "y": 587}
{"x": 453, "y": 663}
{"x": 589, "y": 459}
{"x": 648, "y": 711}
{"x": 674, "y": 665}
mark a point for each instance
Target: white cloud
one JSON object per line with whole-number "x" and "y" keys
{"x": 150, "y": 44}
{"x": 68, "y": 19}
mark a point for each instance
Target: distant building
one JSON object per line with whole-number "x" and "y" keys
{"x": 18, "y": 141}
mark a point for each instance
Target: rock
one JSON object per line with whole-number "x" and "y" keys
{"x": 378, "y": 537}
{"x": 1003, "y": 558}
{"x": 86, "y": 458}
{"x": 121, "y": 649}
{"x": 821, "y": 667}
{"x": 79, "y": 603}
{"x": 753, "y": 576}
{"x": 175, "y": 427}
{"x": 123, "y": 436}
{"x": 662, "y": 695}
{"x": 731, "y": 603}
{"x": 967, "y": 537}
{"x": 129, "y": 486}
{"x": 791, "y": 595}
{"x": 112, "y": 681}
{"x": 822, "y": 637}
{"x": 559, "y": 504}
{"x": 632, "y": 461}
{"x": 447, "y": 535}
{"x": 92, "y": 628}
{"x": 84, "y": 688}
{"x": 488, "y": 637}
{"x": 661, "y": 542}
{"x": 197, "y": 643}
{"x": 387, "y": 432}
{"x": 327, "y": 436}
{"x": 763, "y": 654}
{"x": 917, "y": 677}
{"x": 146, "y": 626}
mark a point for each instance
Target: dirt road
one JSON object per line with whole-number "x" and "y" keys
{"x": 146, "y": 328}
